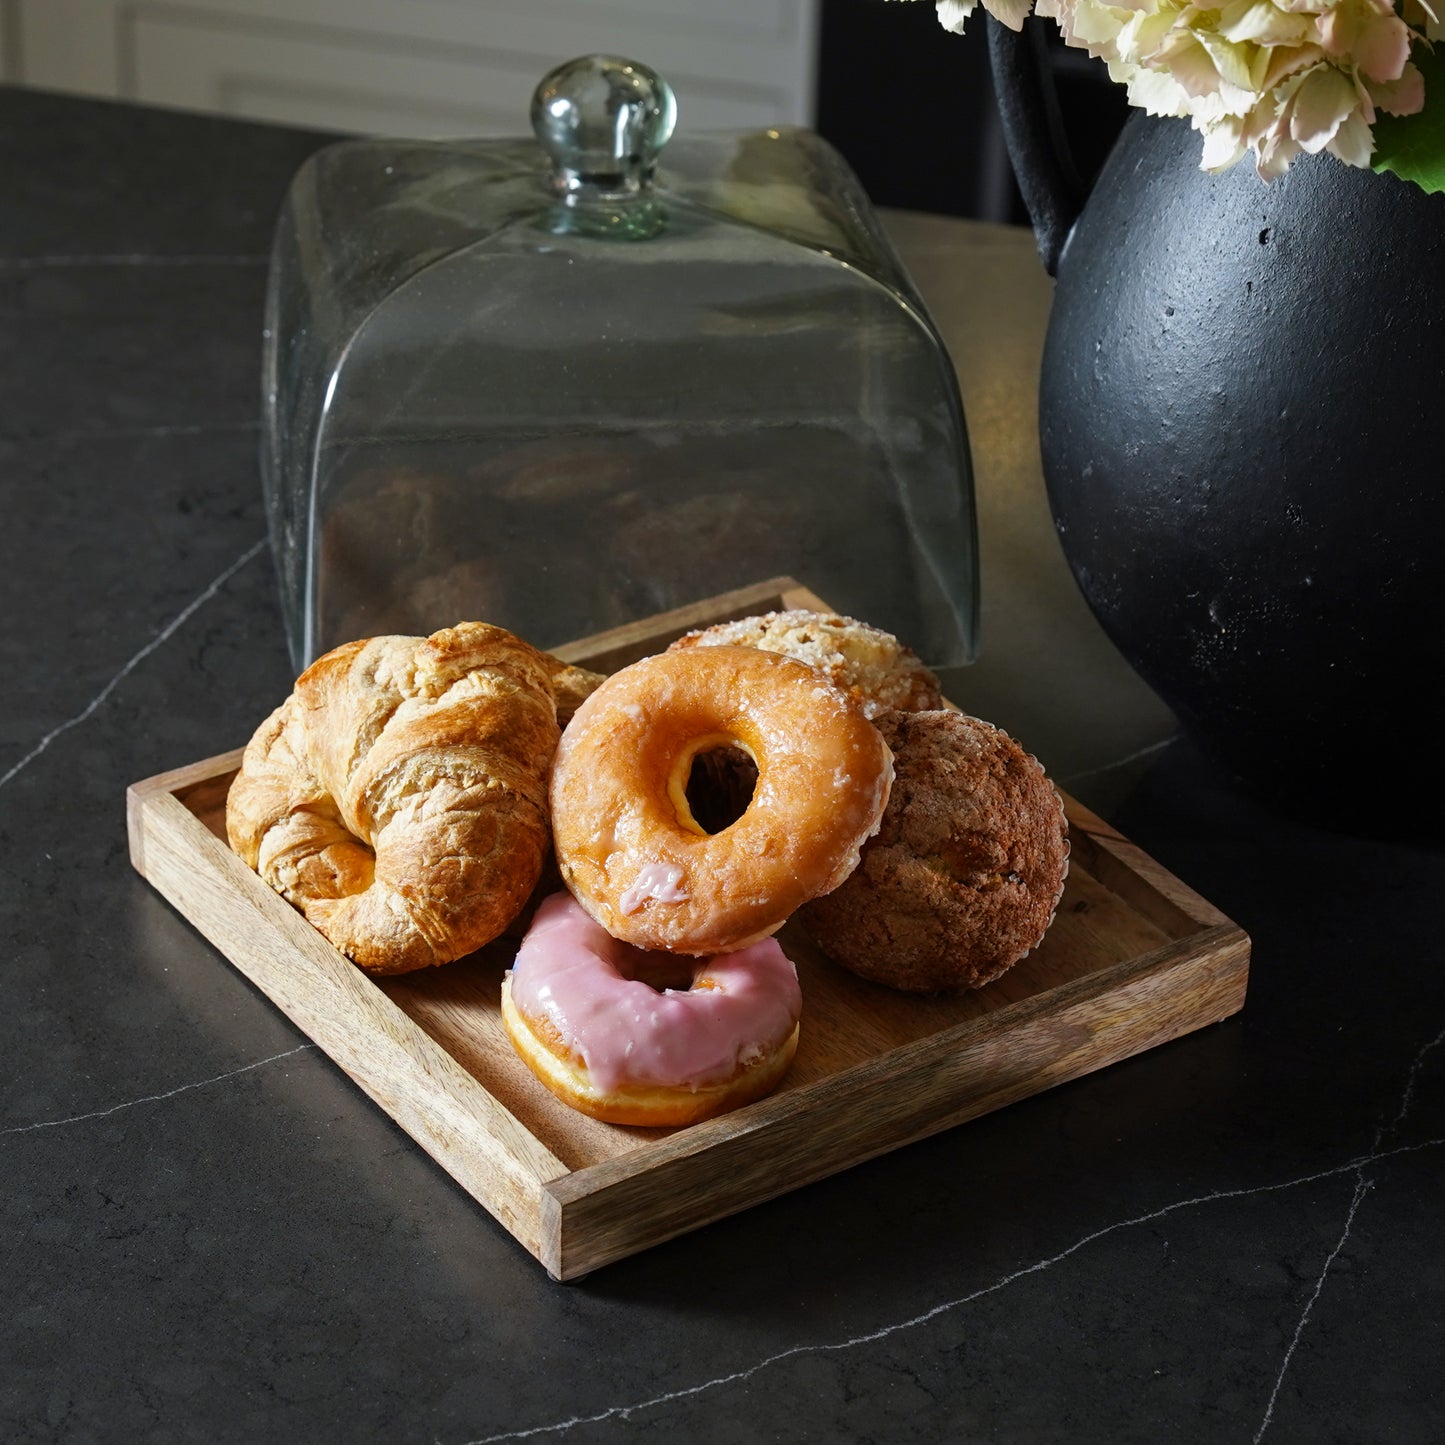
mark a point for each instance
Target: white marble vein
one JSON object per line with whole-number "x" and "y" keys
{"x": 1139, "y": 753}
{"x": 163, "y": 635}
{"x": 625, "y": 1412}
{"x": 1362, "y": 1187}
{"x": 133, "y": 433}
{"x": 153, "y": 1098}
{"x": 123, "y": 258}
{"x": 1407, "y": 1097}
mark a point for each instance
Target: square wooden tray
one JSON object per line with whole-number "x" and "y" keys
{"x": 1134, "y": 958}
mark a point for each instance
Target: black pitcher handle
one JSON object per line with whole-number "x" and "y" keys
{"x": 1033, "y": 131}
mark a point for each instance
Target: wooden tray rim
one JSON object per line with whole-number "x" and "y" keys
{"x": 534, "y": 1188}
{"x": 1213, "y": 934}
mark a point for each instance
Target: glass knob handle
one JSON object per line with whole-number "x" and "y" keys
{"x": 603, "y": 121}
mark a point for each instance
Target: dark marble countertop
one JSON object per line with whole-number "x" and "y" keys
{"x": 211, "y": 1234}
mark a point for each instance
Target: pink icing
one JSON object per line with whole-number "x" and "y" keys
{"x": 570, "y": 971}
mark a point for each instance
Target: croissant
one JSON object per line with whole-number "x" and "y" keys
{"x": 398, "y": 797}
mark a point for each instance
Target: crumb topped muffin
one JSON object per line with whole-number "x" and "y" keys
{"x": 966, "y": 870}
{"x": 872, "y": 665}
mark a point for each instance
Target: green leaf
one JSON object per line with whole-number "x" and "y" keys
{"x": 1413, "y": 146}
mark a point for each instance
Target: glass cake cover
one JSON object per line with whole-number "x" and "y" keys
{"x": 567, "y": 382}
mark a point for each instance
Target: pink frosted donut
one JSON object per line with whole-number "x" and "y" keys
{"x": 637, "y": 1037}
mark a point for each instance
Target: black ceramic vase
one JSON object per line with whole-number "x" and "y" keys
{"x": 1240, "y": 412}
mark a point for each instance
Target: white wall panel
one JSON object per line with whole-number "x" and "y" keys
{"x": 424, "y": 67}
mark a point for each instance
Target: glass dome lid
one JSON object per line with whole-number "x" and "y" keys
{"x": 568, "y": 382}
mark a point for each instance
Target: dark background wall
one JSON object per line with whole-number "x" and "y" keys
{"x": 911, "y": 107}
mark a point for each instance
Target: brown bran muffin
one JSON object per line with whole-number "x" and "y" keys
{"x": 966, "y": 870}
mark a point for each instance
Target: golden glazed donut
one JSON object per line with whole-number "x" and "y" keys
{"x": 866, "y": 662}
{"x": 965, "y": 873}
{"x": 398, "y": 797}
{"x": 627, "y": 843}
{"x": 631, "y": 1037}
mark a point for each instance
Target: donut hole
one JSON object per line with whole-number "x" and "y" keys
{"x": 720, "y": 786}
{"x": 659, "y": 971}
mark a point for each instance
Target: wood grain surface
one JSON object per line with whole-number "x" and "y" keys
{"x": 1134, "y": 958}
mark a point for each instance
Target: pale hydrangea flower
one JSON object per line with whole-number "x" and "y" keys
{"x": 952, "y": 13}
{"x": 1275, "y": 78}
